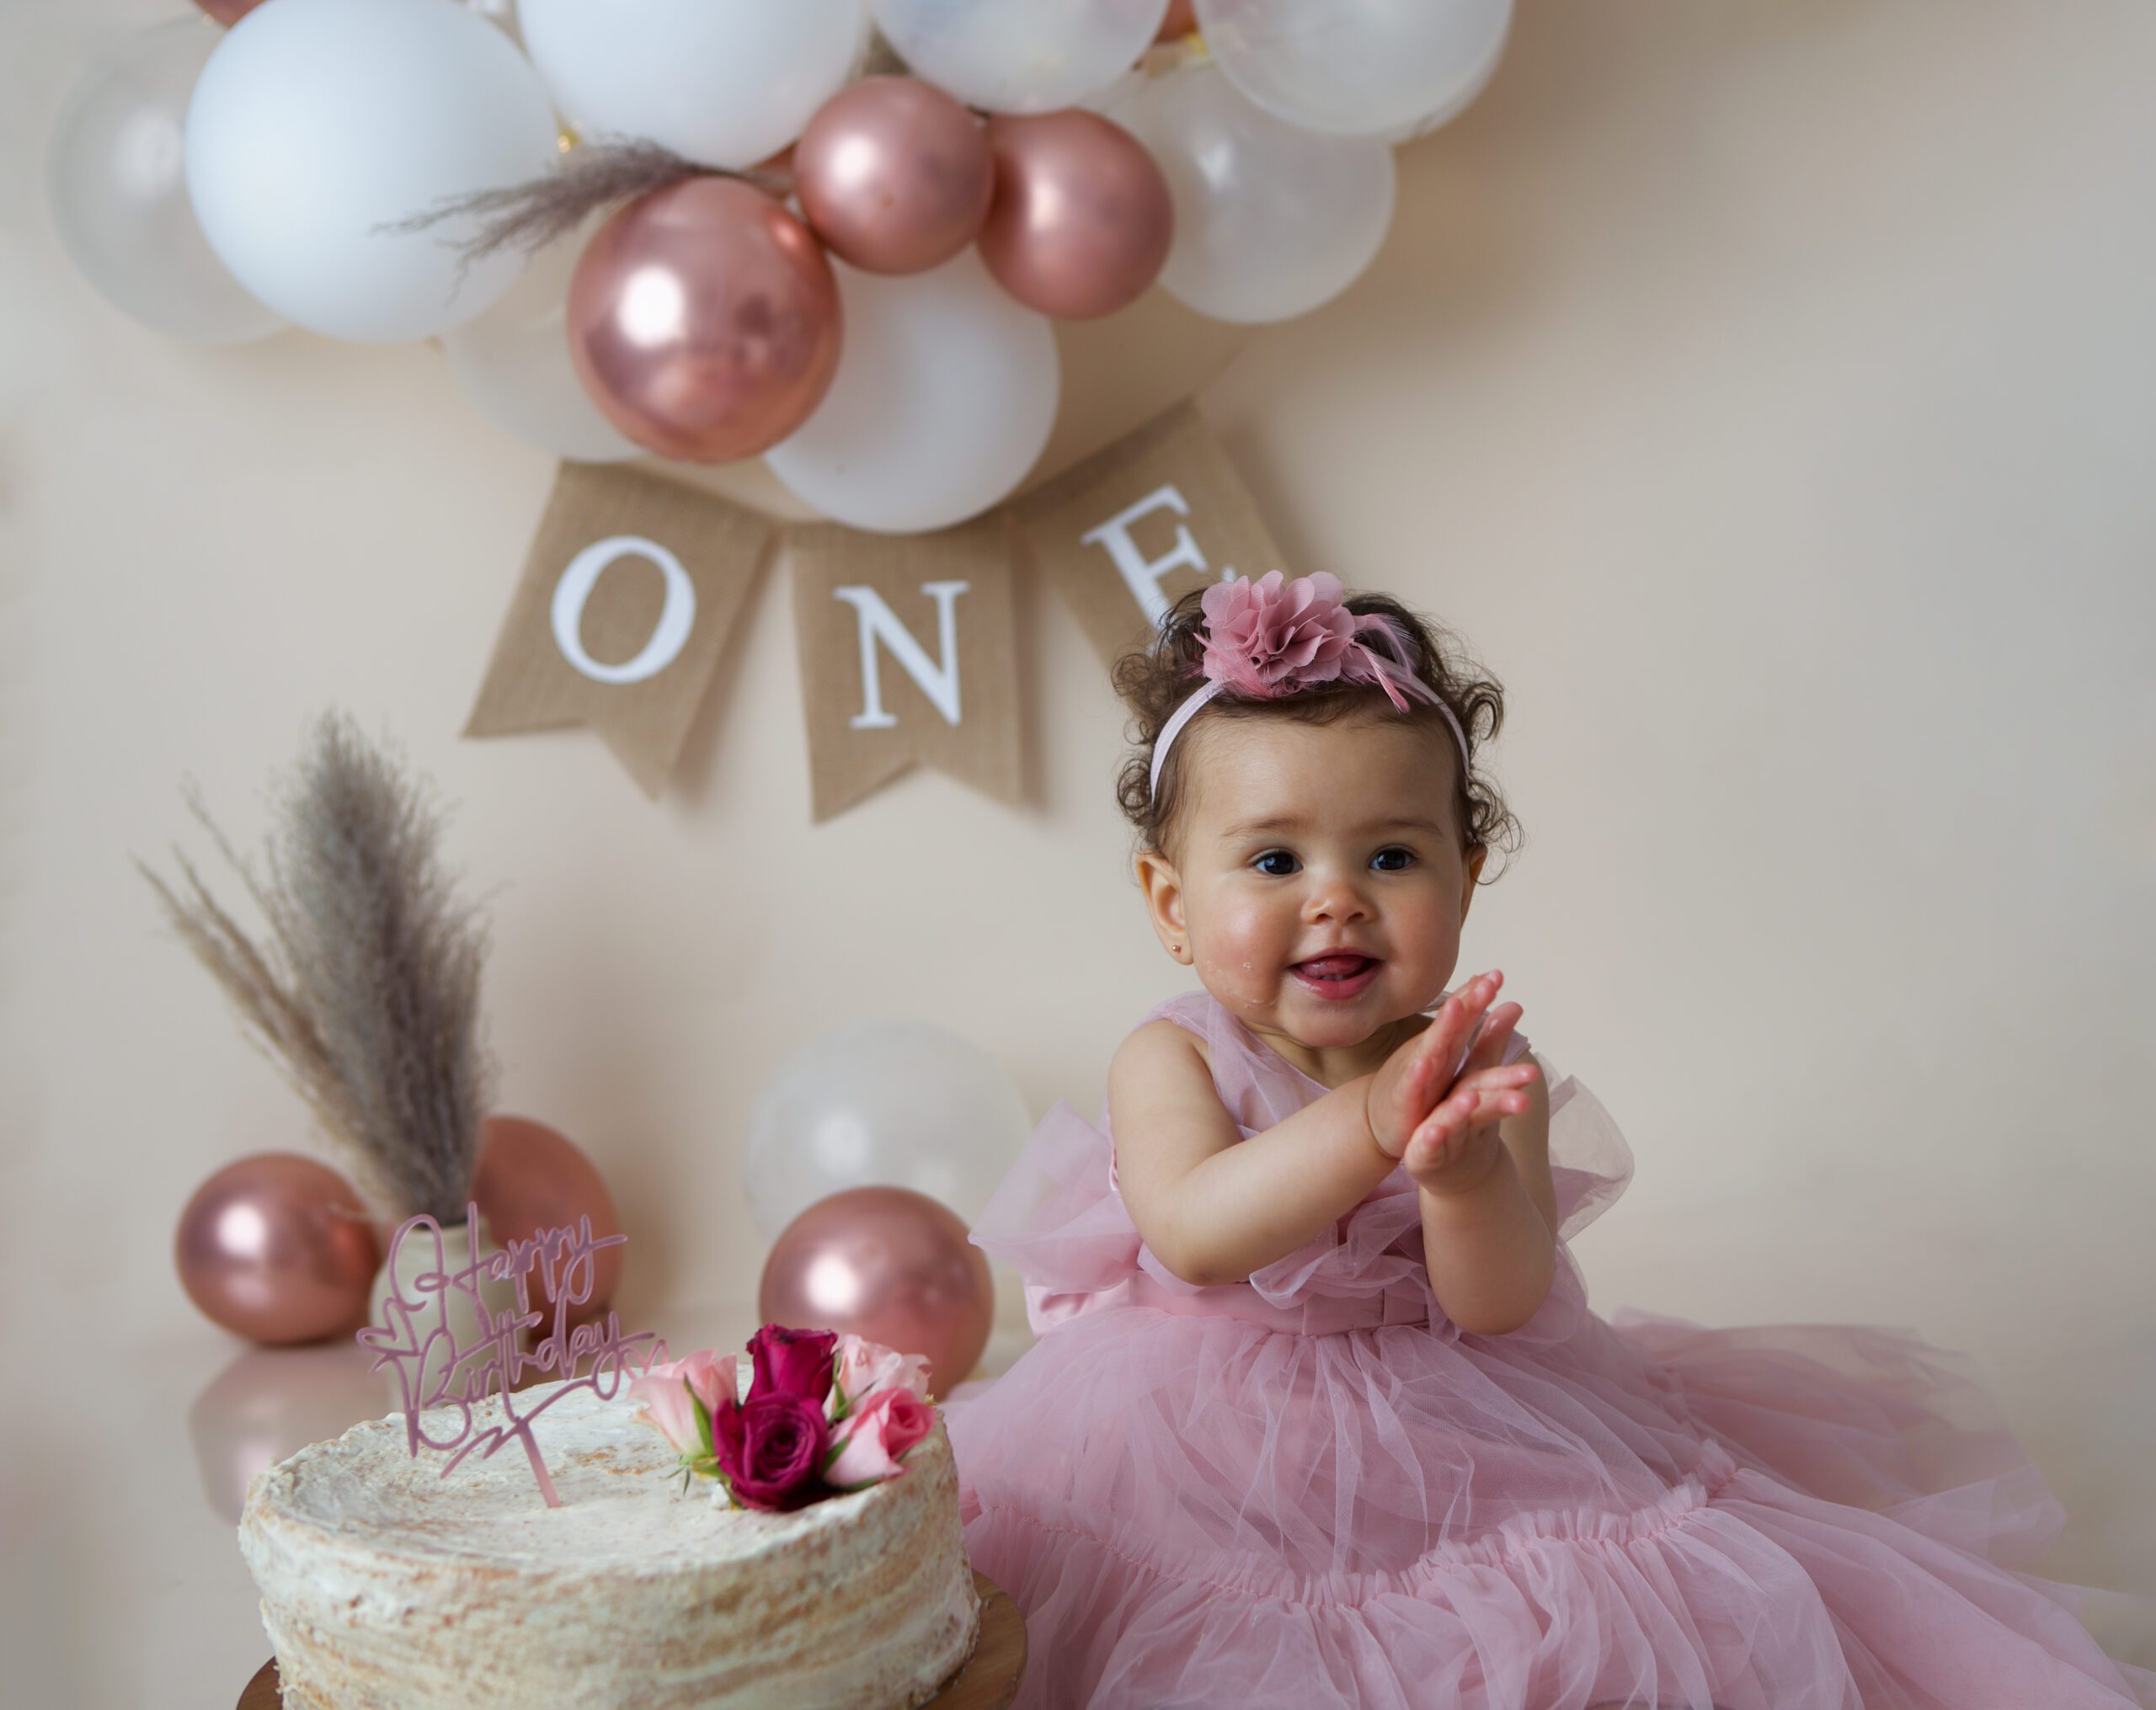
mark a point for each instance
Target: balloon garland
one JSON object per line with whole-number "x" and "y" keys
{"x": 774, "y": 170}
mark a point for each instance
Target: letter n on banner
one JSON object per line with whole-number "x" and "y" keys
{"x": 908, "y": 653}
{"x": 1134, "y": 528}
{"x": 630, "y": 588}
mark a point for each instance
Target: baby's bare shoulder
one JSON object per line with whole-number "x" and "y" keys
{"x": 1160, "y": 1056}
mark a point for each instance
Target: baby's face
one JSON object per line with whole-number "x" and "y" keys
{"x": 1319, "y": 885}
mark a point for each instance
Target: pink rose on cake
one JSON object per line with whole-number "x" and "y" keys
{"x": 865, "y": 1367}
{"x": 825, "y": 1414}
{"x": 887, "y": 1424}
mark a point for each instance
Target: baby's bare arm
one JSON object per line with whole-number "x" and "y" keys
{"x": 1491, "y": 1245}
{"x": 1213, "y": 1208}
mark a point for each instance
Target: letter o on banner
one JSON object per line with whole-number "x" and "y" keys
{"x": 676, "y": 618}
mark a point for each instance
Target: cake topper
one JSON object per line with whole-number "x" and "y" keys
{"x": 437, "y": 1368}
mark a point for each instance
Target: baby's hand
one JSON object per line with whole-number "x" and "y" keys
{"x": 1415, "y": 1106}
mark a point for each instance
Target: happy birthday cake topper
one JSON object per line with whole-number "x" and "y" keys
{"x": 436, "y": 1368}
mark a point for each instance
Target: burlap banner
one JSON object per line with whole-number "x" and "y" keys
{"x": 629, "y": 592}
{"x": 1133, "y": 529}
{"x": 908, "y": 653}
{"x": 908, "y": 642}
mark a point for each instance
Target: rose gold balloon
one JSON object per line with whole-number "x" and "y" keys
{"x": 228, "y": 12}
{"x": 894, "y": 174}
{"x": 703, "y": 319}
{"x": 888, "y": 1264}
{"x": 531, "y": 1178}
{"x": 1181, "y": 20}
{"x": 277, "y": 1247}
{"x": 1082, "y": 217}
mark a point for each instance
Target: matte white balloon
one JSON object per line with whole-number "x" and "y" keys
{"x": 513, "y": 362}
{"x": 946, "y": 390}
{"x": 1019, "y": 56}
{"x": 1271, "y": 219}
{"x": 1355, "y": 67}
{"x": 116, "y": 181}
{"x": 725, "y": 81}
{"x": 317, "y": 122}
{"x": 901, "y": 1104}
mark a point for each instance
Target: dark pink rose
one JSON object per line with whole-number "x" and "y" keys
{"x": 792, "y": 1363}
{"x": 772, "y": 1451}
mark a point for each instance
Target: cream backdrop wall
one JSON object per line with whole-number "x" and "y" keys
{"x": 1768, "y": 391}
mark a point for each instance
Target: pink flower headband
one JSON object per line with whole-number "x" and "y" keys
{"x": 1263, "y": 640}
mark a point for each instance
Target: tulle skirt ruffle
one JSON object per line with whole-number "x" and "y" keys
{"x": 1196, "y": 1510}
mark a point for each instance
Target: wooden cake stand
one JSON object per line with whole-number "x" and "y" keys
{"x": 988, "y": 1681}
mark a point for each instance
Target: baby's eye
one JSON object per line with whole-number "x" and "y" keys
{"x": 1277, "y": 863}
{"x": 1393, "y": 861}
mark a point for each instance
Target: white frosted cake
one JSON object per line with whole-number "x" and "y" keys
{"x": 385, "y": 1584}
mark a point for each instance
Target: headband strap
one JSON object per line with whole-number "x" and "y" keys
{"x": 1271, "y": 637}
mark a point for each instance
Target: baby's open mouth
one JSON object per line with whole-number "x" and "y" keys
{"x": 1340, "y": 976}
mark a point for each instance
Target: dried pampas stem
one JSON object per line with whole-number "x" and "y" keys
{"x": 592, "y": 176}
{"x": 366, "y": 991}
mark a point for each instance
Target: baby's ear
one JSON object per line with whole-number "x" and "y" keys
{"x": 1163, "y": 887}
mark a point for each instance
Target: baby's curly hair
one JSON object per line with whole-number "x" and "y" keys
{"x": 1155, "y": 679}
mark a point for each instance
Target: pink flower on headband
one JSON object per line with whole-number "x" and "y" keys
{"x": 1272, "y": 636}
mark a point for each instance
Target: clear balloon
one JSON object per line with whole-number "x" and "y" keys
{"x": 294, "y": 174}
{"x": 116, "y": 181}
{"x": 513, "y": 362}
{"x": 894, "y": 175}
{"x": 531, "y": 1178}
{"x": 903, "y": 1104}
{"x": 944, "y": 397}
{"x": 1354, "y": 67}
{"x": 1019, "y": 56}
{"x": 1462, "y": 98}
{"x": 277, "y": 1247}
{"x": 1082, "y": 218}
{"x": 1271, "y": 219}
{"x": 889, "y": 1265}
{"x": 723, "y": 82}
{"x": 704, "y": 321}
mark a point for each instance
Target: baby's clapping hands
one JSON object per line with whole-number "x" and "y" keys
{"x": 1443, "y": 1127}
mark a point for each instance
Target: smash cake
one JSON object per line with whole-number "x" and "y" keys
{"x": 674, "y": 1569}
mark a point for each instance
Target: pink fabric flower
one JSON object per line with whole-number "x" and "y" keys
{"x": 887, "y": 1424}
{"x": 865, "y": 1367}
{"x": 663, "y": 1394}
{"x": 792, "y": 1363}
{"x": 1272, "y": 636}
{"x": 1264, "y": 638}
{"x": 772, "y": 1450}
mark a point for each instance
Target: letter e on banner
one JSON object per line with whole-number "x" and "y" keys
{"x": 1135, "y": 528}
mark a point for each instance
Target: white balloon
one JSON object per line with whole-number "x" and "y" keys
{"x": 900, "y": 1104}
{"x": 514, "y": 363}
{"x": 1354, "y": 67}
{"x": 318, "y": 121}
{"x": 1271, "y": 219}
{"x": 1019, "y": 56}
{"x": 725, "y": 81}
{"x": 116, "y": 181}
{"x": 945, "y": 393}
{"x": 1461, "y": 98}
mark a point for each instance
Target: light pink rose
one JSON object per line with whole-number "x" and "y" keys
{"x": 889, "y": 1422}
{"x": 865, "y": 1367}
{"x": 662, "y": 1395}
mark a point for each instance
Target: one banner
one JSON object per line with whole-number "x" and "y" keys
{"x": 630, "y": 589}
{"x": 1135, "y": 527}
{"x": 908, "y": 645}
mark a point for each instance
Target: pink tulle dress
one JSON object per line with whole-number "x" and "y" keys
{"x": 1312, "y": 1489}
